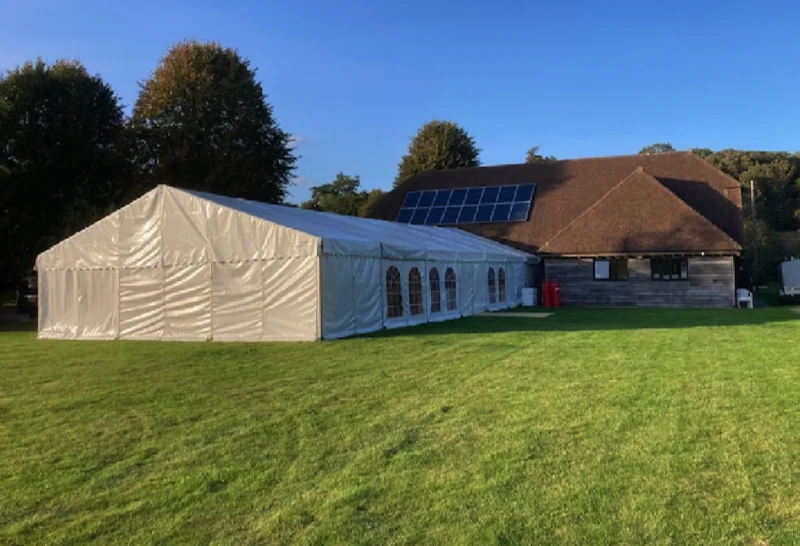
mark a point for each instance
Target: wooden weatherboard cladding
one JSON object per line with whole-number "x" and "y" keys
{"x": 710, "y": 284}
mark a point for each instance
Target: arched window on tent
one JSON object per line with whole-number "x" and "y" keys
{"x": 394, "y": 293}
{"x": 436, "y": 291}
{"x": 415, "y": 292}
{"x": 501, "y": 284}
{"x": 450, "y": 289}
{"x": 492, "y": 293}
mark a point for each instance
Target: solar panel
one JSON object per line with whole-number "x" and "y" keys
{"x": 525, "y": 192}
{"x": 404, "y": 216}
{"x": 501, "y": 212}
{"x": 426, "y": 199}
{"x": 467, "y": 215}
{"x": 412, "y": 198}
{"x": 507, "y": 194}
{"x": 457, "y": 197}
{"x": 490, "y": 196}
{"x": 419, "y": 216}
{"x": 473, "y": 196}
{"x": 519, "y": 212}
{"x": 442, "y": 197}
{"x": 450, "y": 215}
{"x": 484, "y": 213}
{"x": 435, "y": 216}
{"x": 491, "y": 204}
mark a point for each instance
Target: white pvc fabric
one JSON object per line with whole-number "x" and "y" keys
{"x": 790, "y": 275}
{"x": 185, "y": 265}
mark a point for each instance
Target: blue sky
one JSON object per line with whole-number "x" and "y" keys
{"x": 353, "y": 80}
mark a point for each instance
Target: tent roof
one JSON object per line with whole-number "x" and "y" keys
{"x": 358, "y": 236}
{"x": 169, "y": 226}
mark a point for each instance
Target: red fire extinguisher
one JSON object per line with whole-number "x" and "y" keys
{"x": 556, "y": 298}
{"x": 546, "y": 293}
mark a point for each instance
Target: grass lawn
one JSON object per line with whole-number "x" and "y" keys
{"x": 588, "y": 427}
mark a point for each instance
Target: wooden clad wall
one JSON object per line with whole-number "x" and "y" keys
{"x": 710, "y": 284}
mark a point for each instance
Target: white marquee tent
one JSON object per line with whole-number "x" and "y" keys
{"x": 185, "y": 265}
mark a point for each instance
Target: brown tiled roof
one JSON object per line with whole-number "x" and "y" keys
{"x": 639, "y": 215}
{"x": 567, "y": 189}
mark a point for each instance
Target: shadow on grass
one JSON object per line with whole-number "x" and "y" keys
{"x": 11, "y": 321}
{"x": 573, "y": 319}
{"x": 770, "y": 297}
{"x": 17, "y": 325}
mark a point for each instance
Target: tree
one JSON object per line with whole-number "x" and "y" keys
{"x": 658, "y": 148}
{"x": 760, "y": 235}
{"x": 61, "y": 166}
{"x": 342, "y": 196}
{"x": 438, "y": 145}
{"x": 776, "y": 178}
{"x": 702, "y": 153}
{"x": 202, "y": 122}
{"x": 366, "y": 208}
{"x": 533, "y": 156}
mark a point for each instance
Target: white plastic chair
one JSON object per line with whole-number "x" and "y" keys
{"x": 744, "y": 296}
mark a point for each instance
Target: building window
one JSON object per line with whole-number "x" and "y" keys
{"x": 501, "y": 285}
{"x": 450, "y": 289}
{"x": 615, "y": 269}
{"x": 492, "y": 294}
{"x": 415, "y": 292}
{"x": 669, "y": 269}
{"x": 394, "y": 293}
{"x": 436, "y": 291}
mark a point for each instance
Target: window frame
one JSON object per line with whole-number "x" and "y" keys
{"x": 492, "y": 286}
{"x": 450, "y": 277}
{"x": 435, "y": 290}
{"x": 416, "y": 298}
{"x": 394, "y": 298}
{"x": 662, "y": 262}
{"x": 613, "y": 274}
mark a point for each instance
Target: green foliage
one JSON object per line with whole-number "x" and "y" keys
{"x": 533, "y": 156}
{"x": 438, "y": 145}
{"x": 776, "y": 177}
{"x": 702, "y": 153}
{"x": 365, "y": 211}
{"x": 658, "y": 148}
{"x": 595, "y": 427}
{"x": 61, "y": 158}
{"x": 202, "y": 122}
{"x": 776, "y": 180}
{"x": 761, "y": 238}
{"x": 342, "y": 196}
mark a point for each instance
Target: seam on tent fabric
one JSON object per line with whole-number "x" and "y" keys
{"x": 382, "y": 278}
{"x": 320, "y": 254}
{"x": 119, "y": 275}
{"x": 119, "y": 304}
{"x": 210, "y": 274}
{"x": 115, "y": 268}
{"x": 163, "y": 268}
{"x": 353, "y": 281}
{"x": 210, "y": 302}
{"x": 263, "y": 302}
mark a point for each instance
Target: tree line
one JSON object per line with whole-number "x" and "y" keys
{"x": 69, "y": 155}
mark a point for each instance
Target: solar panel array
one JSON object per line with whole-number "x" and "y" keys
{"x": 491, "y": 204}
